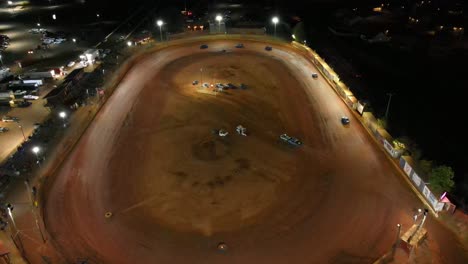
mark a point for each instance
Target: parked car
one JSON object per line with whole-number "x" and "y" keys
{"x": 19, "y": 93}
{"x": 204, "y": 46}
{"x": 31, "y": 97}
{"x": 206, "y": 85}
{"x": 10, "y": 119}
{"x": 231, "y": 86}
{"x": 240, "y": 45}
{"x": 243, "y": 86}
{"x": 345, "y": 120}
{"x": 195, "y": 82}
{"x": 268, "y": 48}
{"x": 3, "y": 129}
{"x": 314, "y": 75}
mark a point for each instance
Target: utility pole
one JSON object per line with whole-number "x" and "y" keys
{"x": 388, "y": 105}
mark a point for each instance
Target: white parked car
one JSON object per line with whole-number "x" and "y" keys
{"x": 71, "y": 63}
{"x": 3, "y": 129}
{"x": 31, "y": 97}
{"x": 19, "y": 93}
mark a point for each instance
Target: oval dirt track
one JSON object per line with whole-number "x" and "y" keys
{"x": 176, "y": 190}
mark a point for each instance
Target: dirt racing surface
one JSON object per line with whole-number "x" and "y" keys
{"x": 176, "y": 189}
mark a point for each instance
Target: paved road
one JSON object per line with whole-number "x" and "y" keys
{"x": 343, "y": 207}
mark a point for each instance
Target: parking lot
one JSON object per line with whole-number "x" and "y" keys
{"x": 28, "y": 50}
{"x": 35, "y": 113}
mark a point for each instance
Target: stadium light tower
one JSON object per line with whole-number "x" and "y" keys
{"x": 63, "y": 115}
{"x": 275, "y": 21}
{"x": 36, "y": 151}
{"x": 160, "y": 24}
{"x": 219, "y": 18}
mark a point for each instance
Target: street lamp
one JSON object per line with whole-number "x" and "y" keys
{"x": 63, "y": 115}
{"x": 201, "y": 77}
{"x": 10, "y": 2}
{"x": 11, "y": 216}
{"x": 38, "y": 24}
{"x": 424, "y": 217}
{"x": 129, "y": 43}
{"x": 36, "y": 151}
{"x": 219, "y": 18}
{"x": 97, "y": 15}
{"x": 160, "y": 23}
{"x": 275, "y": 21}
{"x": 74, "y": 40}
{"x": 397, "y": 241}
{"x": 417, "y": 215}
{"x": 54, "y": 17}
